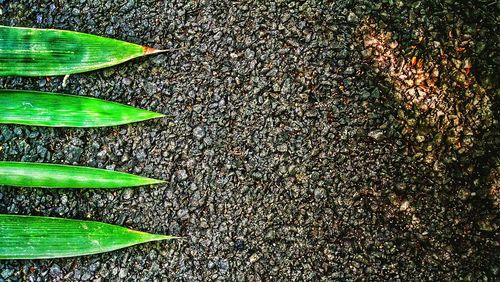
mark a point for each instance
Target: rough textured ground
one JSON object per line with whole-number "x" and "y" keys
{"x": 304, "y": 141}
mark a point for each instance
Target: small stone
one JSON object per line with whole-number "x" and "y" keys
{"x": 319, "y": 193}
{"x": 349, "y": 71}
{"x": 282, "y": 148}
{"x": 369, "y": 40}
{"x": 109, "y": 30}
{"x": 123, "y": 273}
{"x": 74, "y": 153}
{"x": 127, "y": 194}
{"x": 486, "y": 225}
{"x": 255, "y": 257}
{"x": 39, "y": 18}
{"x": 199, "y": 132}
{"x": 150, "y": 87}
{"x": 435, "y": 72}
{"x": 55, "y": 271}
{"x": 141, "y": 155}
{"x": 108, "y": 72}
{"x": 94, "y": 267}
{"x": 404, "y": 206}
{"x": 86, "y": 276}
{"x": 126, "y": 81}
{"x": 223, "y": 265}
{"x": 420, "y": 138}
{"x": 376, "y": 135}
{"x": 393, "y": 198}
{"x": 352, "y": 17}
{"x": 6, "y": 273}
{"x": 181, "y": 174}
{"x": 249, "y": 54}
{"x": 393, "y": 44}
{"x": 463, "y": 194}
{"x": 183, "y": 214}
{"x": 270, "y": 235}
{"x": 239, "y": 245}
{"x": 204, "y": 223}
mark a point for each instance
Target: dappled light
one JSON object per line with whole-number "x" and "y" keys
{"x": 442, "y": 107}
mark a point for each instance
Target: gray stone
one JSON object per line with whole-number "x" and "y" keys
{"x": 376, "y": 135}
{"x": 199, "y": 132}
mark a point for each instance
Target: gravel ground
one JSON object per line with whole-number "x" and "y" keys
{"x": 304, "y": 141}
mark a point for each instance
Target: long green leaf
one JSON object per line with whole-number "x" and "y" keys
{"x": 46, "y": 52}
{"x": 24, "y": 174}
{"x": 34, "y": 237}
{"x": 59, "y": 110}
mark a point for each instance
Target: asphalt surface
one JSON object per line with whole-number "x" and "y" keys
{"x": 304, "y": 141}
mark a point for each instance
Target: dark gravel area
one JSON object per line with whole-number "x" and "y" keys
{"x": 305, "y": 141}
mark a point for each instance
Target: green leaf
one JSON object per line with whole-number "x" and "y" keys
{"x": 34, "y": 237}
{"x": 59, "y": 110}
{"x": 47, "y": 52}
{"x": 24, "y": 174}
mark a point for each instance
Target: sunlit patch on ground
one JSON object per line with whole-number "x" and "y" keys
{"x": 443, "y": 108}
{"x": 494, "y": 192}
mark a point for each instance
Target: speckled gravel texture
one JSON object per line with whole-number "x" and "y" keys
{"x": 305, "y": 141}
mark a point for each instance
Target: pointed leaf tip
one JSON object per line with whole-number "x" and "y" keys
{"x": 150, "y": 51}
{"x": 152, "y": 236}
{"x": 158, "y": 115}
{"x": 156, "y": 181}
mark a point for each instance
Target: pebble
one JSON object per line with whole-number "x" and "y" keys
{"x": 376, "y": 135}
{"x": 404, "y": 206}
{"x": 182, "y": 175}
{"x": 199, "y": 132}
{"x": 254, "y": 258}
{"x": 123, "y": 273}
{"x": 352, "y": 17}
{"x": 7, "y": 273}
{"x": 319, "y": 193}
{"x": 126, "y": 81}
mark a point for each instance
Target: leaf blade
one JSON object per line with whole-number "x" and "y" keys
{"x": 48, "y": 52}
{"x": 61, "y": 110}
{"x": 24, "y": 174}
{"x": 34, "y": 237}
